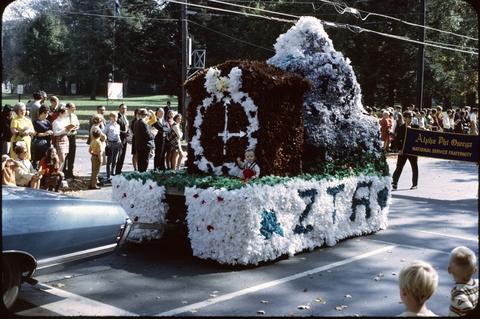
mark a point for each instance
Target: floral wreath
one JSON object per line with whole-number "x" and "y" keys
{"x": 226, "y": 88}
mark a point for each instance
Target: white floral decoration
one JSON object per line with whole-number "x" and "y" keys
{"x": 143, "y": 204}
{"x": 224, "y": 89}
{"x": 225, "y": 225}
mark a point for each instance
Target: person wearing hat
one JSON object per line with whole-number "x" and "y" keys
{"x": 8, "y": 170}
{"x": 144, "y": 139}
{"x": 448, "y": 122}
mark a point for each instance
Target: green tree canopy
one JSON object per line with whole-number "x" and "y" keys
{"x": 46, "y": 49}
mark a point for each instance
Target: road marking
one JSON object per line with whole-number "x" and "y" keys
{"x": 75, "y": 305}
{"x": 270, "y": 284}
{"x": 440, "y": 234}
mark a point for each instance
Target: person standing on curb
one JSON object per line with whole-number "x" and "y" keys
{"x": 144, "y": 139}
{"x": 96, "y": 149}
{"x": 402, "y": 158}
{"x": 160, "y": 140}
{"x": 167, "y": 108}
{"x": 72, "y": 144}
{"x": 124, "y": 128}
{"x": 114, "y": 144}
{"x": 100, "y": 110}
{"x": 34, "y": 105}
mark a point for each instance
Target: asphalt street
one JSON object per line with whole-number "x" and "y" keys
{"x": 356, "y": 277}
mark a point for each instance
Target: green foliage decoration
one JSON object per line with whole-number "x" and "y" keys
{"x": 366, "y": 165}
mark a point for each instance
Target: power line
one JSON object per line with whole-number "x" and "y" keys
{"x": 342, "y": 8}
{"x": 235, "y": 12}
{"x": 228, "y": 36}
{"x": 355, "y": 29}
{"x": 255, "y": 9}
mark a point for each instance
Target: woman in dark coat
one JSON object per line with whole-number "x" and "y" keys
{"x": 7, "y": 116}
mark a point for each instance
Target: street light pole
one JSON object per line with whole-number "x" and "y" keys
{"x": 421, "y": 56}
{"x": 181, "y": 106}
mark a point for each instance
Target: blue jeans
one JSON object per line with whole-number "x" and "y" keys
{"x": 112, "y": 159}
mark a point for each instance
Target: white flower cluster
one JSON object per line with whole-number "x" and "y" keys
{"x": 333, "y": 113}
{"x": 143, "y": 204}
{"x": 227, "y": 90}
{"x": 255, "y": 224}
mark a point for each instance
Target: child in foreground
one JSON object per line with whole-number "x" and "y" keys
{"x": 464, "y": 295}
{"x": 417, "y": 282}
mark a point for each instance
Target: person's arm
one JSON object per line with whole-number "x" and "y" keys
{"x": 400, "y": 138}
{"x": 14, "y": 127}
{"x": 166, "y": 127}
{"x": 22, "y": 171}
{"x": 177, "y": 130}
{"x": 239, "y": 162}
{"x": 57, "y": 129}
{"x": 75, "y": 121}
{"x": 157, "y": 126}
{"x": 106, "y": 128}
{"x": 148, "y": 132}
{"x": 153, "y": 118}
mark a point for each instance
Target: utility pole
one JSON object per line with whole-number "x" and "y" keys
{"x": 181, "y": 106}
{"x": 421, "y": 56}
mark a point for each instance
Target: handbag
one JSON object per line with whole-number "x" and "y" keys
{"x": 18, "y": 140}
{"x": 52, "y": 180}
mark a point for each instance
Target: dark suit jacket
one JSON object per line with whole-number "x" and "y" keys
{"x": 144, "y": 139}
{"x": 400, "y": 139}
{"x": 122, "y": 121}
{"x": 162, "y": 127}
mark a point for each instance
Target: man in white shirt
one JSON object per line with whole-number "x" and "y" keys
{"x": 474, "y": 121}
{"x": 72, "y": 144}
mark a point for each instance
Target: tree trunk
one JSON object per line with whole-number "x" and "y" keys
{"x": 472, "y": 99}
{"x": 427, "y": 102}
{"x": 391, "y": 92}
{"x": 448, "y": 103}
{"x": 93, "y": 95}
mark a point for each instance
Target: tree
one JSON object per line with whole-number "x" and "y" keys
{"x": 47, "y": 49}
{"x": 454, "y": 74}
{"x": 91, "y": 25}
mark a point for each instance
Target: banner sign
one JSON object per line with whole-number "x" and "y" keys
{"x": 452, "y": 146}
{"x": 115, "y": 91}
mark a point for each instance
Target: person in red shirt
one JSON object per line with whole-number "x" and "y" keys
{"x": 51, "y": 164}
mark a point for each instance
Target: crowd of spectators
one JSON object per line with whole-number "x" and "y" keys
{"x": 464, "y": 120}
{"x": 39, "y": 141}
{"x": 36, "y": 140}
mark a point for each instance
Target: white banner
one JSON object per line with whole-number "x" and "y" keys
{"x": 115, "y": 91}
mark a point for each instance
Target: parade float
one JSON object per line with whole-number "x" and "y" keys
{"x": 323, "y": 175}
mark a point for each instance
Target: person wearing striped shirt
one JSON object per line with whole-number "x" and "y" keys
{"x": 464, "y": 295}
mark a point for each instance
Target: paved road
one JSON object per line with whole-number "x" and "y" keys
{"x": 358, "y": 276}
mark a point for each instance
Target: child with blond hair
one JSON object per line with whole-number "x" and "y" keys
{"x": 464, "y": 295}
{"x": 417, "y": 282}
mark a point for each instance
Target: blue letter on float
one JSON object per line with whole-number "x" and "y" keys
{"x": 361, "y": 201}
{"x": 270, "y": 224}
{"x": 334, "y": 191}
{"x": 300, "y": 229}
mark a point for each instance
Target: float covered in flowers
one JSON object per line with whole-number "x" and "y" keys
{"x": 323, "y": 178}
